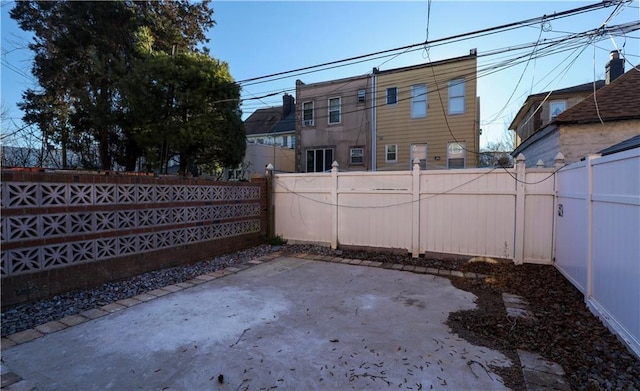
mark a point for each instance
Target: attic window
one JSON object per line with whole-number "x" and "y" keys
{"x": 556, "y": 108}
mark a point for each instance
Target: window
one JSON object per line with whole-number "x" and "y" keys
{"x": 419, "y": 101}
{"x": 357, "y": 155}
{"x": 456, "y": 96}
{"x": 319, "y": 160}
{"x": 362, "y": 94}
{"x": 334, "y": 110}
{"x": 456, "y": 153}
{"x": 391, "y": 153}
{"x": 556, "y": 107}
{"x": 307, "y": 114}
{"x": 392, "y": 95}
{"x": 419, "y": 151}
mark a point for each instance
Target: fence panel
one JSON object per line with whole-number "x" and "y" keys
{"x": 467, "y": 212}
{"x": 302, "y": 206}
{"x": 539, "y": 215}
{"x": 375, "y": 208}
{"x": 597, "y": 238}
{"x": 572, "y": 224}
{"x": 615, "y": 267}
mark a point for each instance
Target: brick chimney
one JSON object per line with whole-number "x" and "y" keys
{"x": 614, "y": 68}
{"x": 288, "y": 104}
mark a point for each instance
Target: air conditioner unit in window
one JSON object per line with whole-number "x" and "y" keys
{"x": 308, "y": 122}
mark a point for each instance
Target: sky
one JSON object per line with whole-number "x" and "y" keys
{"x": 266, "y": 37}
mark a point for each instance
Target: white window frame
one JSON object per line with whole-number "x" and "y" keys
{"x": 362, "y": 96}
{"x": 463, "y": 152}
{"x": 395, "y": 96}
{"x": 351, "y": 151}
{"x": 556, "y": 102}
{"x": 419, "y": 100}
{"x": 387, "y": 152}
{"x": 307, "y": 121}
{"x": 329, "y": 110}
{"x": 314, "y": 150}
{"x": 457, "y": 91}
{"x": 423, "y": 161}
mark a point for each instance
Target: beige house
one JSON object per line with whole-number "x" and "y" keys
{"x": 540, "y": 109}
{"x": 333, "y": 123}
{"x": 430, "y": 112}
{"x": 601, "y": 119}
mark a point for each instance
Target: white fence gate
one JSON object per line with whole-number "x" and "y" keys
{"x": 502, "y": 213}
{"x": 598, "y": 238}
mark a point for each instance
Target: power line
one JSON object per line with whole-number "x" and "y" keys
{"x": 468, "y": 35}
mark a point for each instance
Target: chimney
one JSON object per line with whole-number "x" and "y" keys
{"x": 614, "y": 68}
{"x": 288, "y": 104}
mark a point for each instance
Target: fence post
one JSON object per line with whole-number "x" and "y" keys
{"x": 589, "y": 169}
{"x": 415, "y": 227}
{"x": 334, "y": 205}
{"x": 558, "y": 163}
{"x": 271, "y": 229}
{"x": 521, "y": 173}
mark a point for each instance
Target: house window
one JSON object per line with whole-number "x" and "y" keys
{"x": 319, "y": 160}
{"x": 456, "y": 154}
{"x": 391, "y": 153}
{"x": 556, "y": 107}
{"x": 307, "y": 114}
{"x": 357, "y": 155}
{"x": 362, "y": 94}
{"x": 419, "y": 101}
{"x": 392, "y": 95}
{"x": 334, "y": 110}
{"x": 456, "y": 96}
{"x": 419, "y": 151}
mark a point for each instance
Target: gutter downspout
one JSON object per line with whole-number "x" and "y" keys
{"x": 373, "y": 121}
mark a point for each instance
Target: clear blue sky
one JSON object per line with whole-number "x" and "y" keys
{"x": 260, "y": 38}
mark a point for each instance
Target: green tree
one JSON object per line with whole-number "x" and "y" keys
{"x": 88, "y": 53}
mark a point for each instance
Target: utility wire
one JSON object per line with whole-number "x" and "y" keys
{"x": 468, "y": 35}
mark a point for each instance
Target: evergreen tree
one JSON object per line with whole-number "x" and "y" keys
{"x": 89, "y": 57}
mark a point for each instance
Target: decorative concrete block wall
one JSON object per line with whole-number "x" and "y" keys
{"x": 62, "y": 231}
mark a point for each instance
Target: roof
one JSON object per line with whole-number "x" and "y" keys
{"x": 535, "y": 99}
{"x": 631, "y": 143}
{"x": 616, "y": 101}
{"x": 263, "y": 120}
{"x": 287, "y": 124}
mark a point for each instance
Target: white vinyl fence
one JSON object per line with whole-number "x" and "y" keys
{"x": 500, "y": 213}
{"x": 598, "y": 238}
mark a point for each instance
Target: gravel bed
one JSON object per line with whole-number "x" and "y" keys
{"x": 563, "y": 330}
{"x": 28, "y": 315}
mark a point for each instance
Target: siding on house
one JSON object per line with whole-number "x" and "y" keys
{"x": 352, "y": 130}
{"x": 545, "y": 148}
{"x": 535, "y": 113}
{"x": 395, "y": 125}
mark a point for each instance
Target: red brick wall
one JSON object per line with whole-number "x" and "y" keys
{"x": 207, "y": 218}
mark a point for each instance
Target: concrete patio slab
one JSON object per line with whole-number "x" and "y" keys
{"x": 291, "y": 323}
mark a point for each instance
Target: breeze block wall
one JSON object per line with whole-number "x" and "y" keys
{"x": 62, "y": 231}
